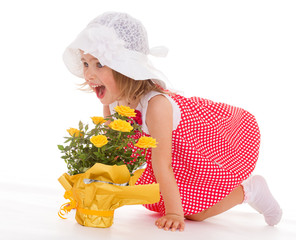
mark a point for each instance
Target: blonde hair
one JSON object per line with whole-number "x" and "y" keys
{"x": 131, "y": 90}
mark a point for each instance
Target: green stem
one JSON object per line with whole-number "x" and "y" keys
{"x": 119, "y": 135}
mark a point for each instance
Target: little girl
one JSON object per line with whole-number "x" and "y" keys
{"x": 206, "y": 151}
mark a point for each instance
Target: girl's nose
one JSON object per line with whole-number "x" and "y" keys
{"x": 89, "y": 74}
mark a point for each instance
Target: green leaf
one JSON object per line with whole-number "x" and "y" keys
{"x": 82, "y": 156}
{"x": 61, "y": 147}
{"x": 80, "y": 125}
{"x": 67, "y": 148}
{"x": 69, "y": 139}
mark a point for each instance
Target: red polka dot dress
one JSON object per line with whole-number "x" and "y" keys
{"x": 215, "y": 147}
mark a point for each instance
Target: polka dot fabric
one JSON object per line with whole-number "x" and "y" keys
{"x": 215, "y": 148}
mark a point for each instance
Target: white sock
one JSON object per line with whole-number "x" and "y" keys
{"x": 258, "y": 196}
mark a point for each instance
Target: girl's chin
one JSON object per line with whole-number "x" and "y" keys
{"x": 106, "y": 101}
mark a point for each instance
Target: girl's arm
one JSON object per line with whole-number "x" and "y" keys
{"x": 159, "y": 120}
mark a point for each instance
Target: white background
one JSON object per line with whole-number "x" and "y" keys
{"x": 239, "y": 52}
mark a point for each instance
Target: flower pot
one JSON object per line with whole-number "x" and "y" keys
{"x": 96, "y": 194}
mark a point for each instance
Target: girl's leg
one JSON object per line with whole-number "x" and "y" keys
{"x": 234, "y": 198}
{"x": 255, "y": 192}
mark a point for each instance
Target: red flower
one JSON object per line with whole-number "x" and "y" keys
{"x": 138, "y": 117}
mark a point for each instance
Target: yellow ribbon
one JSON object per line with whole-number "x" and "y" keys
{"x": 97, "y": 213}
{"x": 67, "y": 207}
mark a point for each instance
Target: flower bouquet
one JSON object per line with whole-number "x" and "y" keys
{"x": 104, "y": 162}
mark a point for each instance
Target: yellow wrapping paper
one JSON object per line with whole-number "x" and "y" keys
{"x": 95, "y": 202}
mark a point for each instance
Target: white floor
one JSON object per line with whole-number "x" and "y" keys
{"x": 29, "y": 211}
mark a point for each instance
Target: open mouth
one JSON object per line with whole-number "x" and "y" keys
{"x": 99, "y": 90}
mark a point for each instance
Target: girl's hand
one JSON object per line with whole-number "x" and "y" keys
{"x": 171, "y": 222}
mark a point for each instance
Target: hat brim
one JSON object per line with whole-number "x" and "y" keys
{"x": 132, "y": 64}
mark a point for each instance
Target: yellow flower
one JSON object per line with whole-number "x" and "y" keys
{"x": 121, "y": 125}
{"x": 146, "y": 142}
{"x": 74, "y": 132}
{"x": 98, "y": 120}
{"x": 125, "y": 111}
{"x": 99, "y": 141}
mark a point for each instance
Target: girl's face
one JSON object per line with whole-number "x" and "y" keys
{"x": 100, "y": 79}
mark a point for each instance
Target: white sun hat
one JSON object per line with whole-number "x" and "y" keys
{"x": 120, "y": 42}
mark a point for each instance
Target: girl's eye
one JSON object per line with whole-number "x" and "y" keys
{"x": 99, "y": 65}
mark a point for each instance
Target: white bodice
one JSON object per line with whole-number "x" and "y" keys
{"x": 143, "y": 105}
